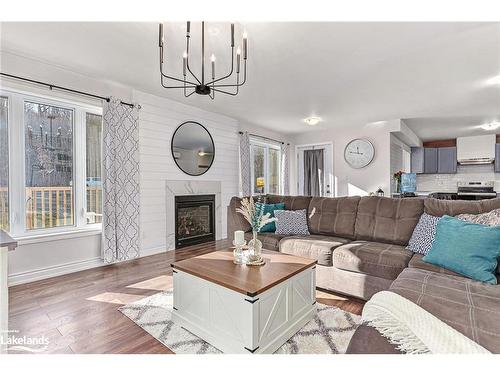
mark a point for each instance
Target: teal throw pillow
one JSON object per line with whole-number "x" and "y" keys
{"x": 469, "y": 249}
{"x": 269, "y": 208}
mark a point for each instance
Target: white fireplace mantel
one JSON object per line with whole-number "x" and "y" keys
{"x": 191, "y": 187}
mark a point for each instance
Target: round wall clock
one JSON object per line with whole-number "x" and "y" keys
{"x": 359, "y": 153}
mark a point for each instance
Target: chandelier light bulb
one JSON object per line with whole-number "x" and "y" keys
{"x": 212, "y": 58}
{"x": 185, "y": 55}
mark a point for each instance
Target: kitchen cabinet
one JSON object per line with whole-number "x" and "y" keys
{"x": 417, "y": 160}
{"x": 433, "y": 160}
{"x": 430, "y": 160}
{"x": 497, "y": 157}
{"x": 447, "y": 160}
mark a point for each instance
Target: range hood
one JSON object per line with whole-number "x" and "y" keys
{"x": 476, "y": 150}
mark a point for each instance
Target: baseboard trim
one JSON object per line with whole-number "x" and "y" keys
{"x": 63, "y": 269}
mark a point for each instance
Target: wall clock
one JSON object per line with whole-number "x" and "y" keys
{"x": 359, "y": 153}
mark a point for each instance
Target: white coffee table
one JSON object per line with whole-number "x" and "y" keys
{"x": 244, "y": 309}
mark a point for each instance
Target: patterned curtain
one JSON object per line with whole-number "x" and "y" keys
{"x": 246, "y": 176}
{"x": 285, "y": 169}
{"x": 120, "y": 182}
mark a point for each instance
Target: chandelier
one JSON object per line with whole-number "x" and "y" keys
{"x": 190, "y": 83}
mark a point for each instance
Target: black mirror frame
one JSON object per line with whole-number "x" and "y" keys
{"x": 172, "y": 148}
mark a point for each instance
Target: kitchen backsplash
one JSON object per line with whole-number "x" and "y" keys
{"x": 448, "y": 182}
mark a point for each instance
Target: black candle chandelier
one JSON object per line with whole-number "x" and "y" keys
{"x": 191, "y": 83}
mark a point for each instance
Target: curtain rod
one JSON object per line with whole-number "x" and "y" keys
{"x": 262, "y": 137}
{"x": 51, "y": 86}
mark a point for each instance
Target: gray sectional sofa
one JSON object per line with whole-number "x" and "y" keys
{"x": 359, "y": 243}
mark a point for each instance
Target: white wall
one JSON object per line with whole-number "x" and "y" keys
{"x": 159, "y": 117}
{"x": 368, "y": 179}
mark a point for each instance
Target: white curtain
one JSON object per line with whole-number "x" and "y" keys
{"x": 121, "y": 234}
{"x": 245, "y": 172}
{"x": 285, "y": 169}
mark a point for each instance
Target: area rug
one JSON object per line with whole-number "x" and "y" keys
{"x": 328, "y": 333}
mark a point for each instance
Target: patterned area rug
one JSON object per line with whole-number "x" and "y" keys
{"x": 328, "y": 333}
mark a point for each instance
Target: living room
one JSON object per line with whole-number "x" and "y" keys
{"x": 287, "y": 184}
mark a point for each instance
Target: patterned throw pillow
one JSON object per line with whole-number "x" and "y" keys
{"x": 491, "y": 218}
{"x": 291, "y": 223}
{"x": 423, "y": 234}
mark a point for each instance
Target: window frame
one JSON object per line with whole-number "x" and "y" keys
{"x": 267, "y": 146}
{"x": 17, "y": 162}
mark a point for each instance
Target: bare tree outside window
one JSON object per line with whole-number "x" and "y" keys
{"x": 49, "y": 165}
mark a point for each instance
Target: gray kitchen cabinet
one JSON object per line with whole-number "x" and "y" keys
{"x": 447, "y": 160}
{"x": 430, "y": 160}
{"x": 417, "y": 160}
{"x": 497, "y": 157}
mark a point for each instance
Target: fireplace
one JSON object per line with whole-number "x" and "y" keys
{"x": 194, "y": 219}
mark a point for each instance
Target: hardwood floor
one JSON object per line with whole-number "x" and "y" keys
{"x": 78, "y": 312}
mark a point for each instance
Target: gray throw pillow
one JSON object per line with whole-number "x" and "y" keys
{"x": 491, "y": 218}
{"x": 291, "y": 223}
{"x": 423, "y": 234}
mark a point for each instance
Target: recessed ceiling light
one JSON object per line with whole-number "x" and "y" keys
{"x": 312, "y": 121}
{"x": 491, "y": 126}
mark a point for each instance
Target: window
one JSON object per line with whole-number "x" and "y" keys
{"x": 4, "y": 166}
{"x": 55, "y": 158}
{"x": 93, "y": 159}
{"x": 48, "y": 150}
{"x": 266, "y": 165}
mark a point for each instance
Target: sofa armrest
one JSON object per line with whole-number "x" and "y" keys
{"x": 235, "y": 221}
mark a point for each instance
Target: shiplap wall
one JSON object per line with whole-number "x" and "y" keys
{"x": 158, "y": 119}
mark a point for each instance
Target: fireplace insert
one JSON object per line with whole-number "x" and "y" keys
{"x": 194, "y": 219}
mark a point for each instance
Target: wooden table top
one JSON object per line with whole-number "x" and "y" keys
{"x": 218, "y": 267}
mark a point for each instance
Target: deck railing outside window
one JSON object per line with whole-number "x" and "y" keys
{"x": 49, "y": 207}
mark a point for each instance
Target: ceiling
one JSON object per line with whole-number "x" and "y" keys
{"x": 348, "y": 74}
{"x": 440, "y": 128}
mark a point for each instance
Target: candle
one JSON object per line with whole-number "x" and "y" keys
{"x": 213, "y": 65}
{"x": 238, "y": 54}
{"x": 232, "y": 35}
{"x": 245, "y": 46}
{"x": 184, "y": 63}
{"x": 239, "y": 237}
{"x": 161, "y": 36}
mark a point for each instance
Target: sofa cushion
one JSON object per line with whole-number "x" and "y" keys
{"x": 372, "y": 258}
{"x": 440, "y": 207}
{"x": 387, "y": 220}
{"x": 470, "y": 307}
{"x": 291, "y": 203}
{"x": 333, "y": 216}
{"x": 270, "y": 241}
{"x": 314, "y": 247}
{"x": 417, "y": 262}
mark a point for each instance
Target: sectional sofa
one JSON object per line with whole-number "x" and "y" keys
{"x": 359, "y": 243}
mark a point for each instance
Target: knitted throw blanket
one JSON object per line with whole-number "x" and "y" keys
{"x": 412, "y": 329}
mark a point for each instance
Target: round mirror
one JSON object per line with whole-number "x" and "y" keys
{"x": 193, "y": 148}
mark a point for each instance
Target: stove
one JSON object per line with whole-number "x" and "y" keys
{"x": 475, "y": 190}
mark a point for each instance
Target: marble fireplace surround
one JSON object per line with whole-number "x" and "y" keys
{"x": 191, "y": 187}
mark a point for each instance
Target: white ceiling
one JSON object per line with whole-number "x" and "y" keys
{"x": 346, "y": 73}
